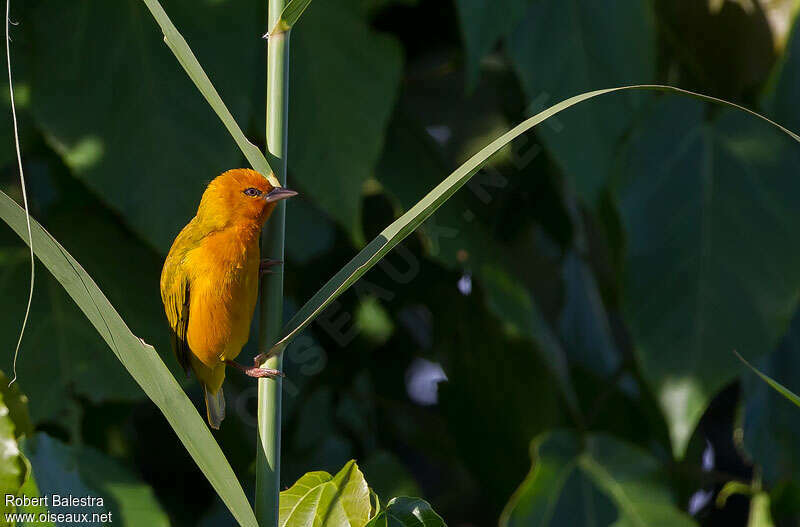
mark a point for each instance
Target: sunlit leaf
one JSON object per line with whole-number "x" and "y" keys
{"x": 13, "y": 468}
{"x": 319, "y": 499}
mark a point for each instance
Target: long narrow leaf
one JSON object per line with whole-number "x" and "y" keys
{"x": 778, "y": 387}
{"x": 140, "y": 359}
{"x": 405, "y": 225}
{"x": 289, "y": 16}
{"x": 185, "y": 56}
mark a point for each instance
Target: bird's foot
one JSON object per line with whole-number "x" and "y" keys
{"x": 266, "y": 264}
{"x": 255, "y": 371}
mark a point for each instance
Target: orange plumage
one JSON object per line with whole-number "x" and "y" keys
{"x": 209, "y": 283}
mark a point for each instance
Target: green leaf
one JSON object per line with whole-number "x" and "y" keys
{"x": 143, "y": 139}
{"x": 708, "y": 270}
{"x": 82, "y": 471}
{"x": 31, "y": 489}
{"x": 140, "y": 359}
{"x": 13, "y": 468}
{"x": 17, "y": 404}
{"x": 407, "y": 512}
{"x": 609, "y": 44}
{"x": 591, "y": 482}
{"x": 344, "y": 76}
{"x": 410, "y": 220}
{"x": 771, "y": 424}
{"x": 483, "y": 23}
{"x": 319, "y": 499}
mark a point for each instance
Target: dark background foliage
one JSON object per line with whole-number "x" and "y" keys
{"x": 578, "y": 301}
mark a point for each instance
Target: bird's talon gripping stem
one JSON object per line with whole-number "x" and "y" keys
{"x": 261, "y": 358}
{"x": 255, "y": 371}
{"x": 266, "y": 264}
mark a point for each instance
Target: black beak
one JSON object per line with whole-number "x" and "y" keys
{"x": 278, "y": 194}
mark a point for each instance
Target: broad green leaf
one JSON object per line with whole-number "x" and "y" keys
{"x": 407, "y": 512}
{"x": 82, "y": 471}
{"x": 140, "y": 359}
{"x": 344, "y": 76}
{"x": 608, "y": 44}
{"x": 405, "y": 225}
{"x": 592, "y": 481}
{"x": 320, "y": 500}
{"x": 708, "y": 207}
{"x": 483, "y": 23}
{"x": 143, "y": 139}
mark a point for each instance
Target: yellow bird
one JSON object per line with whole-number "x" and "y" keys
{"x": 209, "y": 284}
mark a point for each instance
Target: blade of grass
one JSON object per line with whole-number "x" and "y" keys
{"x": 778, "y": 387}
{"x": 405, "y": 225}
{"x": 289, "y": 17}
{"x": 177, "y": 44}
{"x": 140, "y": 359}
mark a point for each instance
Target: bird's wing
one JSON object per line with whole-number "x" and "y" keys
{"x": 175, "y": 294}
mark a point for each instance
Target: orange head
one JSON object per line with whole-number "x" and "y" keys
{"x": 240, "y": 197}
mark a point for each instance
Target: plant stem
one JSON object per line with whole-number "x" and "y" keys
{"x": 268, "y": 456}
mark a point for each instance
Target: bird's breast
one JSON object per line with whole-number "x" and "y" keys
{"x": 224, "y": 289}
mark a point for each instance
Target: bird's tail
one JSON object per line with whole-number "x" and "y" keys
{"x": 215, "y": 407}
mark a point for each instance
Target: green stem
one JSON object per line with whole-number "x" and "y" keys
{"x": 269, "y": 390}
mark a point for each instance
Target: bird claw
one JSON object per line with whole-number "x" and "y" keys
{"x": 255, "y": 371}
{"x": 261, "y": 358}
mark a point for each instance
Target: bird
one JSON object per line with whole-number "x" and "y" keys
{"x": 209, "y": 283}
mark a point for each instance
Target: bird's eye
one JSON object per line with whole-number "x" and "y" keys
{"x": 253, "y": 192}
